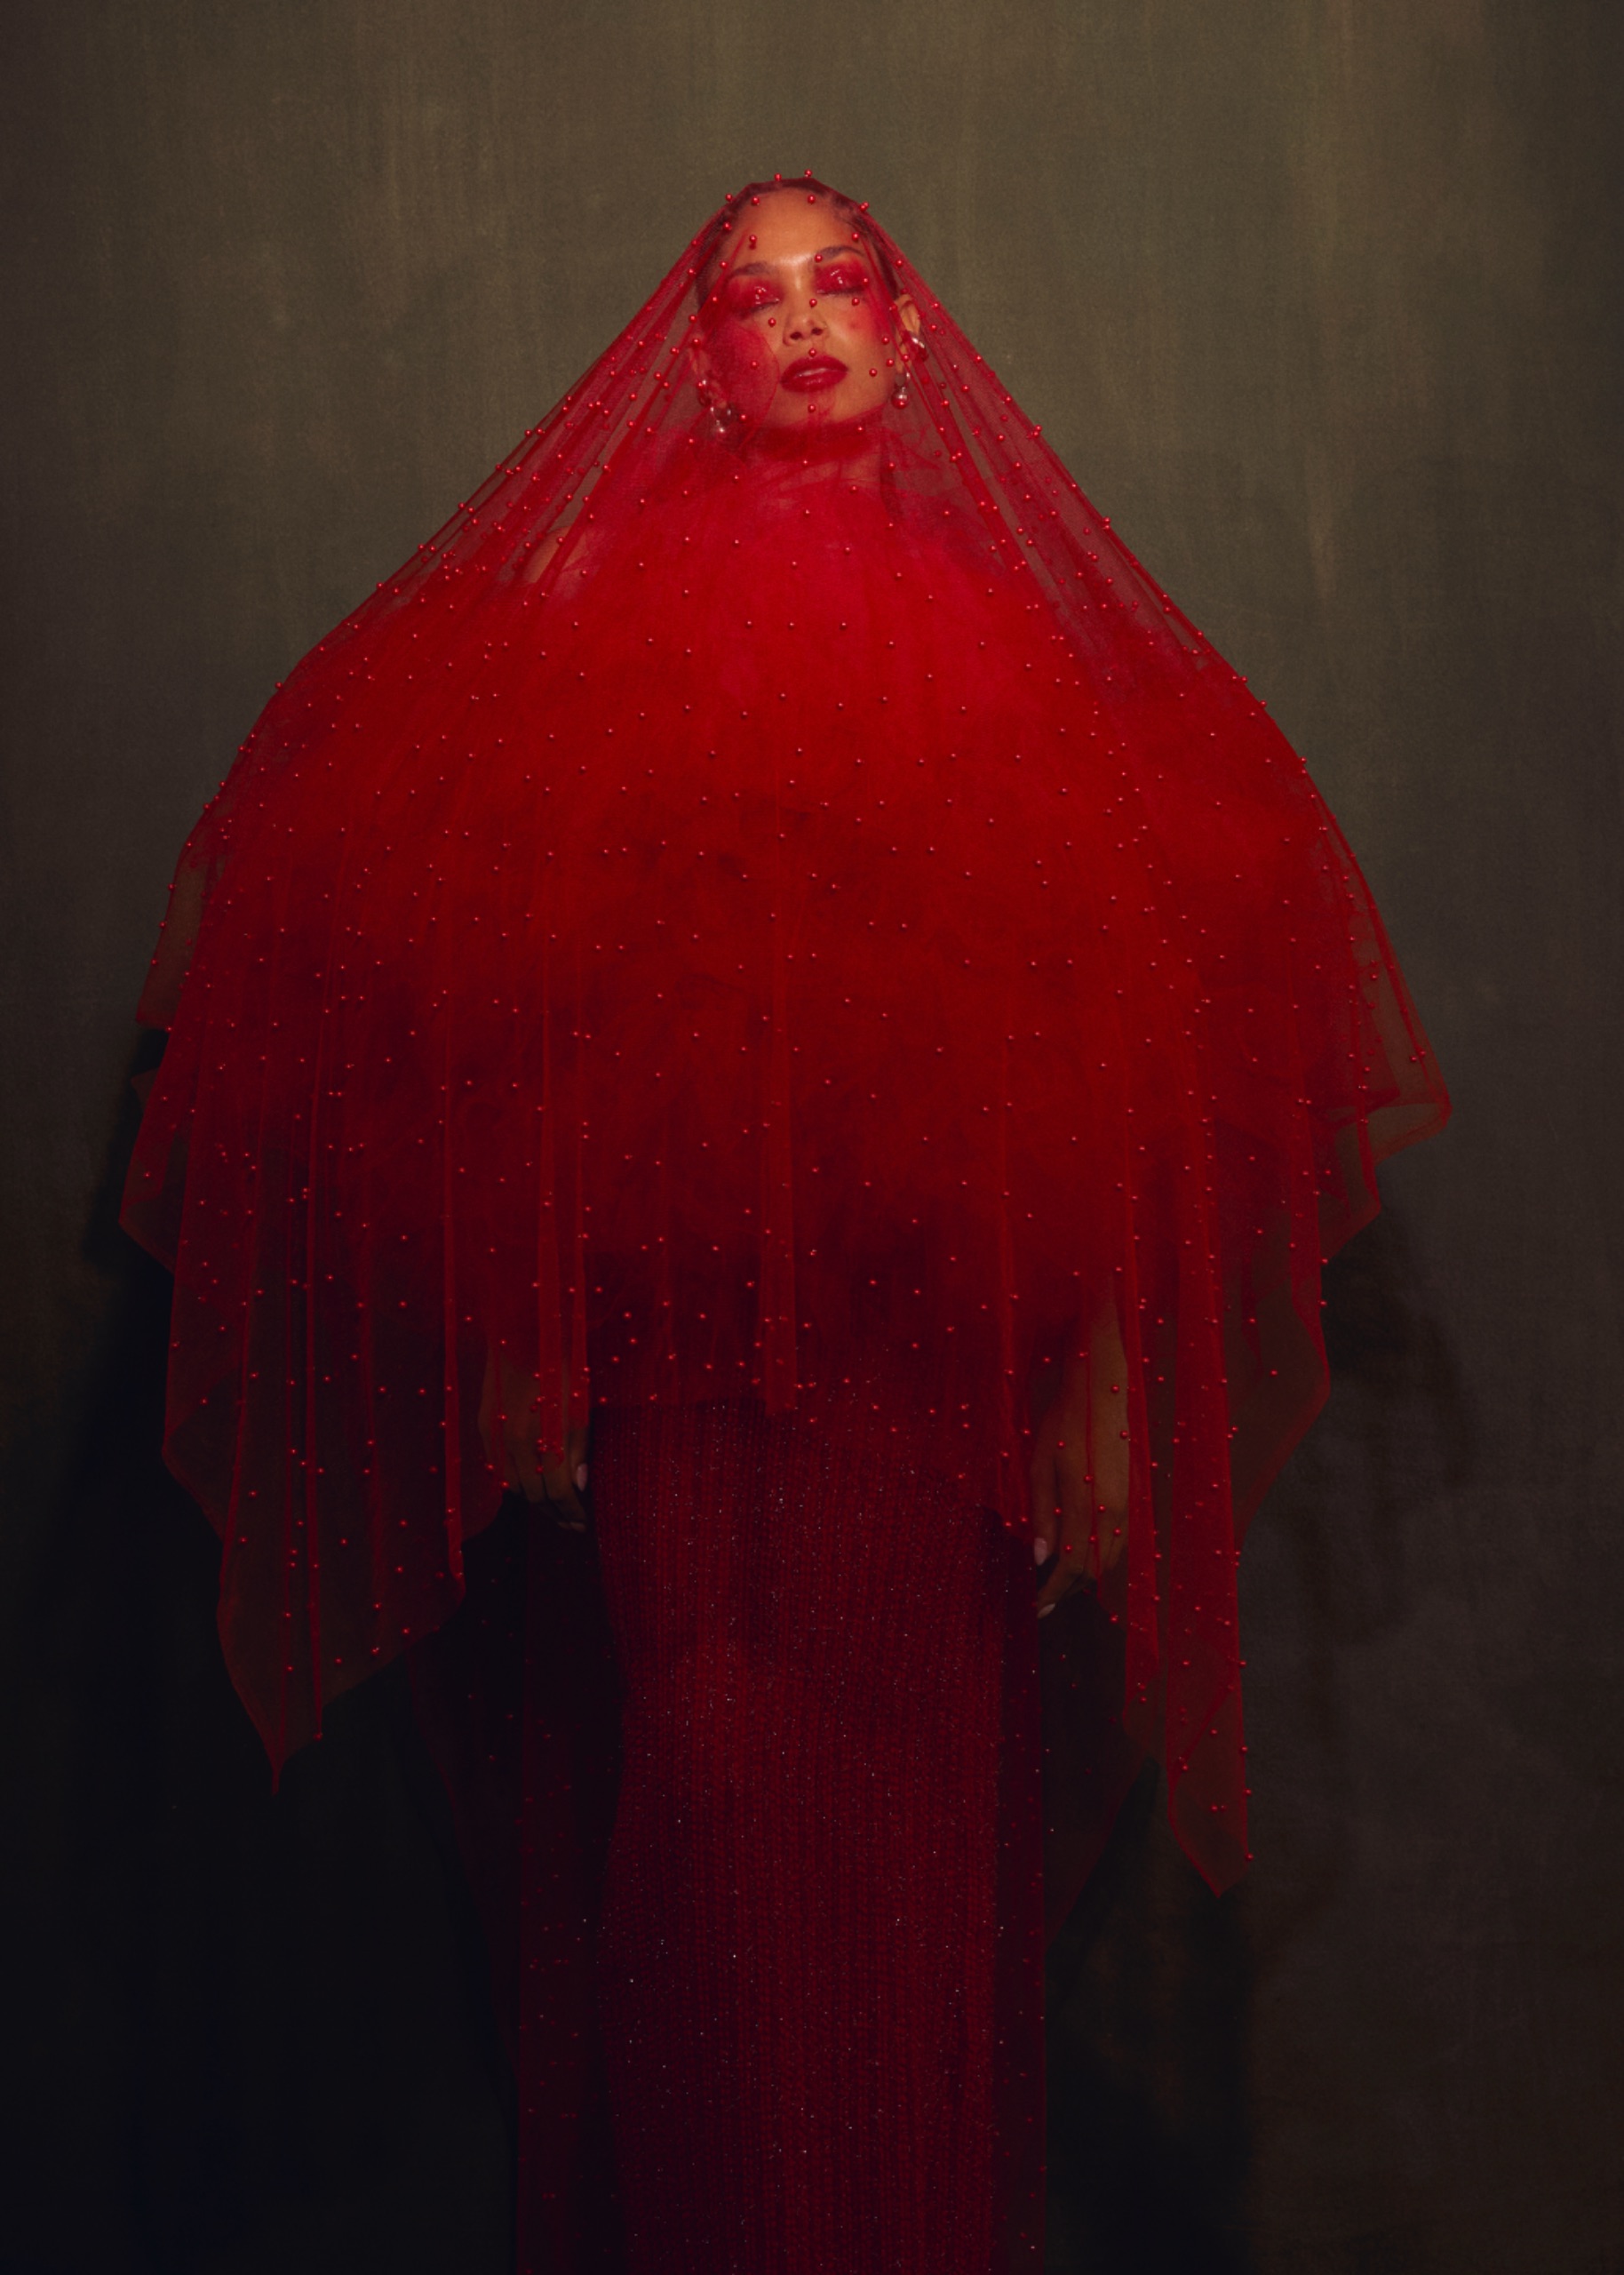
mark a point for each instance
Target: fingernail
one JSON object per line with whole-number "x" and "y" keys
{"x": 1044, "y": 1611}
{"x": 1041, "y": 1552}
{"x": 580, "y": 1477}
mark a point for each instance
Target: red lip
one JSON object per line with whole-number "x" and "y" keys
{"x": 809, "y": 374}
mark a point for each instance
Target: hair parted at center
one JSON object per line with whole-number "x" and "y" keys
{"x": 715, "y": 239}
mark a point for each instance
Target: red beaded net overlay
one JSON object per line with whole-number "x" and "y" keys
{"x": 751, "y": 906}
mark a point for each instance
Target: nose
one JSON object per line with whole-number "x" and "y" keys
{"x": 802, "y": 320}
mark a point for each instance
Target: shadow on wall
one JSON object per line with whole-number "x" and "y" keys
{"x": 1152, "y": 1980}
{"x": 1397, "y": 1433}
{"x": 254, "y": 2030}
{"x": 257, "y": 2033}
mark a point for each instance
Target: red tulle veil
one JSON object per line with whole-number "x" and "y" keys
{"x": 745, "y": 913}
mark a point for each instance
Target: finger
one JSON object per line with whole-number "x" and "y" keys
{"x": 524, "y": 1469}
{"x": 1073, "y": 1569}
{"x": 1066, "y": 1529}
{"x": 1046, "y": 1508}
{"x": 1064, "y": 1584}
{"x": 1057, "y": 1581}
{"x": 1111, "y": 1541}
{"x": 574, "y": 1457}
{"x": 563, "y": 1498}
{"x": 1054, "y": 1590}
{"x": 497, "y": 1453}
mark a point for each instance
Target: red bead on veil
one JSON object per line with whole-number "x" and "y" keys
{"x": 746, "y": 912}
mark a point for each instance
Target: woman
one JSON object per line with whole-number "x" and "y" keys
{"x": 771, "y": 937}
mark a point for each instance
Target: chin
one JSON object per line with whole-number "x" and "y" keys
{"x": 835, "y": 409}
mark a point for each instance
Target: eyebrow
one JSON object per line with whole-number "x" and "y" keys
{"x": 760, "y": 267}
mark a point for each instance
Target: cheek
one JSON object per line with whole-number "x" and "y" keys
{"x": 862, "y": 319}
{"x": 743, "y": 363}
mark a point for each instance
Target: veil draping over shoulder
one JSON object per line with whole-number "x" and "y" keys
{"x": 749, "y": 909}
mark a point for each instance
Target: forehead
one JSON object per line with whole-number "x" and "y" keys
{"x": 789, "y": 226}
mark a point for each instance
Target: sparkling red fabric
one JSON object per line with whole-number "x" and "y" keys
{"x": 800, "y": 1981}
{"x": 744, "y": 905}
{"x": 820, "y": 1960}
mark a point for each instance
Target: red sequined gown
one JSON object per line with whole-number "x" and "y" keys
{"x": 780, "y": 936}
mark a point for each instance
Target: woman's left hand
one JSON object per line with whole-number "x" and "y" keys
{"x": 510, "y": 1411}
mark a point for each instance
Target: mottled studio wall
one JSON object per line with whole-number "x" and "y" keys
{"x": 1320, "y": 300}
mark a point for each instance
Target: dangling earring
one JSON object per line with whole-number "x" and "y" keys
{"x": 906, "y": 345}
{"x": 721, "y": 417}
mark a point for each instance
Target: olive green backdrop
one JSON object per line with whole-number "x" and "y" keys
{"x": 1320, "y": 300}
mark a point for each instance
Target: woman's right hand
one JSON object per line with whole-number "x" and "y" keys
{"x": 510, "y": 1419}
{"x": 1080, "y": 1474}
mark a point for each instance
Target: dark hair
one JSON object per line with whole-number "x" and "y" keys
{"x": 713, "y": 242}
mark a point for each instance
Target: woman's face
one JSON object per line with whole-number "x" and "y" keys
{"x": 802, "y": 328}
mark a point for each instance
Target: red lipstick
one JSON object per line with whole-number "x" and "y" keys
{"x": 809, "y": 374}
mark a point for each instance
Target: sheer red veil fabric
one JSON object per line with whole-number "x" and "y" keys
{"x": 746, "y": 910}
